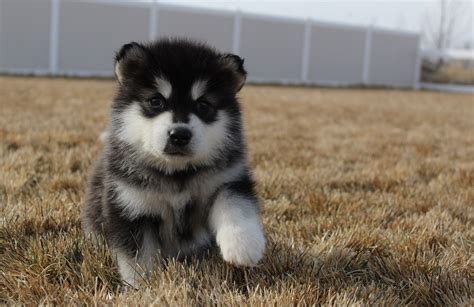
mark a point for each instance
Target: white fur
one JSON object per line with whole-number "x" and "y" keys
{"x": 204, "y": 186}
{"x": 238, "y": 230}
{"x": 208, "y": 138}
{"x": 143, "y": 202}
{"x": 149, "y": 251}
{"x": 164, "y": 87}
{"x": 153, "y": 202}
{"x": 198, "y": 88}
{"x": 118, "y": 72}
{"x": 103, "y": 136}
{"x": 133, "y": 270}
{"x": 130, "y": 271}
{"x": 151, "y": 136}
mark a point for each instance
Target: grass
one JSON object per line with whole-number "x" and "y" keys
{"x": 368, "y": 198}
{"x": 452, "y": 73}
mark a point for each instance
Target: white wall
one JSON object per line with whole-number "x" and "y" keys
{"x": 90, "y": 34}
{"x": 214, "y": 27}
{"x": 24, "y": 36}
{"x": 78, "y": 37}
{"x": 393, "y": 56}
{"x": 272, "y": 48}
{"x": 337, "y": 54}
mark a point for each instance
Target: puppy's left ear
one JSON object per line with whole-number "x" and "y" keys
{"x": 235, "y": 64}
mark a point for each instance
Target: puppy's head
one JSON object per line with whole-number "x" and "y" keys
{"x": 176, "y": 102}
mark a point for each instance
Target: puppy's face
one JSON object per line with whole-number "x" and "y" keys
{"x": 176, "y": 102}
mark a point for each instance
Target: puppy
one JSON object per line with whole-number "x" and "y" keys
{"x": 173, "y": 178}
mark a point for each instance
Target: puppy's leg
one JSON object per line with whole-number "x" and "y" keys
{"x": 130, "y": 271}
{"x": 235, "y": 221}
{"x": 134, "y": 270}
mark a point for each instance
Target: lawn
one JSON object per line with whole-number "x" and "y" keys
{"x": 368, "y": 198}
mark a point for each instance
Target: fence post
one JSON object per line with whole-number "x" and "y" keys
{"x": 306, "y": 50}
{"x": 367, "y": 55}
{"x": 53, "y": 37}
{"x": 237, "y": 32}
{"x": 152, "y": 30}
{"x": 416, "y": 81}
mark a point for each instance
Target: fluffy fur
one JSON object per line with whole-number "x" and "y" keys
{"x": 173, "y": 177}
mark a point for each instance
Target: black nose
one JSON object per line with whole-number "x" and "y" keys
{"x": 180, "y": 136}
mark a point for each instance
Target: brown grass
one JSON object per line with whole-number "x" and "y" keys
{"x": 454, "y": 73}
{"x": 368, "y": 198}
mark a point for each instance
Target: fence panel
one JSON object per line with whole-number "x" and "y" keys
{"x": 213, "y": 27}
{"x": 90, "y": 33}
{"x": 25, "y": 35}
{"x": 393, "y": 58}
{"x": 272, "y": 48}
{"x": 336, "y": 54}
{"x": 79, "y": 37}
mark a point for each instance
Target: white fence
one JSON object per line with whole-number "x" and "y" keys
{"x": 79, "y": 38}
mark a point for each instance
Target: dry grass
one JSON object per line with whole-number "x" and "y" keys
{"x": 368, "y": 199}
{"x": 454, "y": 73}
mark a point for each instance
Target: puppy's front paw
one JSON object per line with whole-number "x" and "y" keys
{"x": 242, "y": 246}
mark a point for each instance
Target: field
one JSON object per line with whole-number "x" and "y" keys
{"x": 368, "y": 198}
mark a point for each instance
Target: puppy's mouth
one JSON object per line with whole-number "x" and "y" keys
{"x": 175, "y": 151}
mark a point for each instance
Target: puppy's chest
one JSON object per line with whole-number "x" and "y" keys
{"x": 164, "y": 202}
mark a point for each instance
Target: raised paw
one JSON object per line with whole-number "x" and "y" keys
{"x": 241, "y": 246}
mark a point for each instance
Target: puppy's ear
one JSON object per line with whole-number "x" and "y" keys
{"x": 235, "y": 64}
{"x": 130, "y": 61}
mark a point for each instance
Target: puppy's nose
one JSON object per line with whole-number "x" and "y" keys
{"x": 180, "y": 136}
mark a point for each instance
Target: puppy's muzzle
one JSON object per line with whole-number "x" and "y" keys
{"x": 178, "y": 141}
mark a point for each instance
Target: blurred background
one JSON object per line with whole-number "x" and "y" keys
{"x": 396, "y": 43}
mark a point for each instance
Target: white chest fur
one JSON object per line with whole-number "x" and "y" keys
{"x": 137, "y": 202}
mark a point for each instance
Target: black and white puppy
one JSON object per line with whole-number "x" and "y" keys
{"x": 173, "y": 177}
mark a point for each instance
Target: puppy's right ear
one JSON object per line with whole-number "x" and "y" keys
{"x": 130, "y": 61}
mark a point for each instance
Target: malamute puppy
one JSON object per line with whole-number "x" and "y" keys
{"x": 173, "y": 177}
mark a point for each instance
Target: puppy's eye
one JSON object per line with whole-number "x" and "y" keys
{"x": 204, "y": 108}
{"x": 157, "y": 102}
